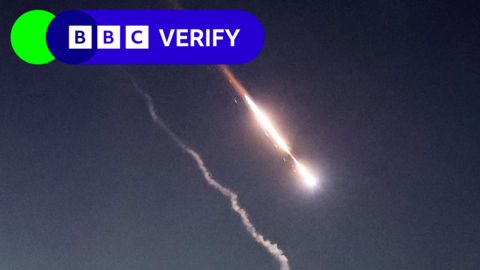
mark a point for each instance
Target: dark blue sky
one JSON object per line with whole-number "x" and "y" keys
{"x": 380, "y": 97}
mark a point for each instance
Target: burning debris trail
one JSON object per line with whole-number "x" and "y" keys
{"x": 268, "y": 126}
{"x": 310, "y": 180}
{"x": 272, "y": 248}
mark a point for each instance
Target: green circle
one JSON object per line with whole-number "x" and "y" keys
{"x": 29, "y": 37}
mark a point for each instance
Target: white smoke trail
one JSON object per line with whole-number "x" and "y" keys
{"x": 272, "y": 248}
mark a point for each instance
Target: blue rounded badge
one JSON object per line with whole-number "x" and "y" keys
{"x": 155, "y": 37}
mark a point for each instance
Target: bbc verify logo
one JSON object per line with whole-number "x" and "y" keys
{"x": 108, "y": 37}
{"x": 142, "y": 37}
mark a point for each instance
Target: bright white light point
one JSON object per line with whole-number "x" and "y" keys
{"x": 311, "y": 182}
{"x": 308, "y": 178}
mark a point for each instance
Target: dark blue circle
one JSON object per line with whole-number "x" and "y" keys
{"x": 57, "y": 37}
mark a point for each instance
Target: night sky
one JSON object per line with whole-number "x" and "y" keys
{"x": 380, "y": 98}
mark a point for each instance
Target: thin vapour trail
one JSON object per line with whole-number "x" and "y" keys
{"x": 269, "y": 246}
